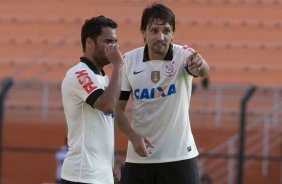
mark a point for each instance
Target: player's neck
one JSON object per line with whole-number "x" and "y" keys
{"x": 95, "y": 63}
{"x": 154, "y": 56}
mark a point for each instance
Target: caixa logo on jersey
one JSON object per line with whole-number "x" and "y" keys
{"x": 161, "y": 91}
{"x": 85, "y": 81}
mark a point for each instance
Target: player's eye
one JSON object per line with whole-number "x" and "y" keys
{"x": 109, "y": 41}
{"x": 154, "y": 31}
{"x": 167, "y": 31}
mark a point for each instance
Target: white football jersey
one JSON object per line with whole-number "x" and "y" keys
{"x": 161, "y": 93}
{"x": 90, "y": 131}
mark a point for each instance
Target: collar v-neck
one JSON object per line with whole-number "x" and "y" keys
{"x": 91, "y": 66}
{"x": 168, "y": 56}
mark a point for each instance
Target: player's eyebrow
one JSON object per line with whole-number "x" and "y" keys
{"x": 108, "y": 40}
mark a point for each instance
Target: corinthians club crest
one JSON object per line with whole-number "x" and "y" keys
{"x": 155, "y": 76}
{"x": 169, "y": 70}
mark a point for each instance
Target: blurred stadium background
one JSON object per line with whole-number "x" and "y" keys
{"x": 241, "y": 40}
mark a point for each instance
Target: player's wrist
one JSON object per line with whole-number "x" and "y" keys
{"x": 131, "y": 134}
{"x": 118, "y": 64}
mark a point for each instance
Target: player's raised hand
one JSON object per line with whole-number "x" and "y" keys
{"x": 141, "y": 145}
{"x": 197, "y": 65}
{"x": 113, "y": 53}
{"x": 195, "y": 61}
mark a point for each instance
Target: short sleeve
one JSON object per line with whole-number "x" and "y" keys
{"x": 86, "y": 85}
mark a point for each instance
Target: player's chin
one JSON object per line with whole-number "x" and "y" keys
{"x": 160, "y": 51}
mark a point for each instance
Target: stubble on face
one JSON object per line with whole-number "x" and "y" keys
{"x": 108, "y": 36}
{"x": 158, "y": 36}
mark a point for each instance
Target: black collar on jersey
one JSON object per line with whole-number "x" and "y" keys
{"x": 168, "y": 56}
{"x": 91, "y": 66}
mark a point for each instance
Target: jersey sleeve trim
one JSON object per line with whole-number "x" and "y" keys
{"x": 94, "y": 96}
{"x": 124, "y": 95}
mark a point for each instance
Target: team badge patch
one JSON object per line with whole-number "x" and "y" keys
{"x": 155, "y": 76}
{"x": 169, "y": 69}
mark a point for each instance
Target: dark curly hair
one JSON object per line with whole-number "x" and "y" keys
{"x": 93, "y": 28}
{"x": 157, "y": 11}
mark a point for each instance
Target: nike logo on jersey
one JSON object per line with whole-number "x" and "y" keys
{"x": 138, "y": 72}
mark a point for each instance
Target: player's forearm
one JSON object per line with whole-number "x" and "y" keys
{"x": 113, "y": 90}
{"x": 110, "y": 96}
{"x": 123, "y": 124}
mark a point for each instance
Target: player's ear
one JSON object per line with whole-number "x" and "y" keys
{"x": 89, "y": 43}
{"x": 144, "y": 36}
